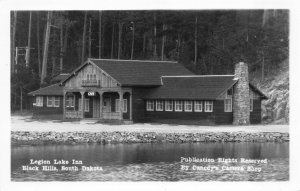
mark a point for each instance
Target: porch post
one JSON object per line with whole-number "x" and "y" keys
{"x": 121, "y": 104}
{"x": 64, "y": 105}
{"x": 130, "y": 106}
{"x": 101, "y": 104}
{"x": 82, "y": 104}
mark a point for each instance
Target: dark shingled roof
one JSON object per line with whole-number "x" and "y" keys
{"x": 54, "y": 89}
{"x": 192, "y": 87}
{"x": 140, "y": 73}
{"x": 59, "y": 78}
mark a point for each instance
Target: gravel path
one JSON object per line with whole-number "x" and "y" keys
{"x": 25, "y": 123}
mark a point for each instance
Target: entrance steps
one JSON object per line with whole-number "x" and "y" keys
{"x": 89, "y": 121}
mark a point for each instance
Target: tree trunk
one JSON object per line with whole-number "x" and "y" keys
{"x": 100, "y": 33}
{"x": 61, "y": 48}
{"x": 53, "y": 66}
{"x": 27, "y": 58}
{"x": 13, "y": 48}
{"x": 144, "y": 44}
{"x": 46, "y": 46}
{"x": 120, "y": 40}
{"x": 163, "y": 42}
{"x": 38, "y": 43}
{"x": 132, "y": 44}
{"x": 154, "y": 53}
{"x": 66, "y": 41}
{"x": 112, "y": 42}
{"x": 196, "y": 34}
{"x": 90, "y": 39}
{"x": 83, "y": 38}
{"x": 263, "y": 67}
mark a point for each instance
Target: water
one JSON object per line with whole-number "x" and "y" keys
{"x": 153, "y": 162}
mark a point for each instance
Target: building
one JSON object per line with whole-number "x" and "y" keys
{"x": 150, "y": 91}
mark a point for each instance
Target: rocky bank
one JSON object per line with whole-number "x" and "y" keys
{"x": 23, "y": 137}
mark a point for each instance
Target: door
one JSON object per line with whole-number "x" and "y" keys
{"x": 106, "y": 105}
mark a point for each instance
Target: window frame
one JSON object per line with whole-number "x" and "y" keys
{"x": 50, "y": 98}
{"x": 207, "y": 104}
{"x": 226, "y": 105}
{"x": 168, "y": 103}
{"x": 177, "y": 103}
{"x": 72, "y": 101}
{"x": 185, "y": 106}
{"x": 117, "y": 107}
{"x": 197, "y": 104}
{"x": 56, "y": 99}
{"x": 86, "y": 105}
{"x": 148, "y": 103}
{"x": 159, "y": 102}
{"x": 39, "y": 101}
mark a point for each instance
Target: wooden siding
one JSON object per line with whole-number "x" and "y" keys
{"x": 255, "y": 115}
{"x": 48, "y": 112}
{"x": 75, "y": 82}
{"x": 222, "y": 117}
{"x": 138, "y": 104}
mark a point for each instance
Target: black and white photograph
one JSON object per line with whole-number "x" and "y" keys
{"x": 149, "y": 95}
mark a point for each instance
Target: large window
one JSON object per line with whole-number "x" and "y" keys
{"x": 53, "y": 101}
{"x": 168, "y": 105}
{"x": 188, "y": 106}
{"x": 150, "y": 105}
{"x": 159, "y": 105}
{"x": 208, "y": 107}
{"x": 228, "y": 105}
{"x": 70, "y": 101}
{"x": 124, "y": 105}
{"x": 198, "y": 106}
{"x": 39, "y": 101}
{"x": 178, "y": 105}
{"x": 251, "y": 104}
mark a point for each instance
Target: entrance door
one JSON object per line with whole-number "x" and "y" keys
{"x": 106, "y": 105}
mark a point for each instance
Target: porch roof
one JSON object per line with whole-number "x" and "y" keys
{"x": 54, "y": 89}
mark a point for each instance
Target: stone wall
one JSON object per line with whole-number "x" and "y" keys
{"x": 22, "y": 137}
{"x": 241, "y": 97}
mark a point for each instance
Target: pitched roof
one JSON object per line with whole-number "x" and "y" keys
{"x": 192, "y": 87}
{"x": 59, "y": 77}
{"x": 140, "y": 73}
{"x": 54, "y": 89}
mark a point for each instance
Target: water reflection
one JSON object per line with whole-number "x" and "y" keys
{"x": 135, "y": 162}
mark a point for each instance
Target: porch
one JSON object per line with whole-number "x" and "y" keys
{"x": 97, "y": 104}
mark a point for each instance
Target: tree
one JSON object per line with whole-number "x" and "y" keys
{"x": 83, "y": 38}
{"x": 46, "y": 46}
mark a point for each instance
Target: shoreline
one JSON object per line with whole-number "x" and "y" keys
{"x": 51, "y": 137}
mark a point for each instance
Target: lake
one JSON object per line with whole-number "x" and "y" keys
{"x": 153, "y": 162}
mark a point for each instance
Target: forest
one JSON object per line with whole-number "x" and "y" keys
{"x": 47, "y": 43}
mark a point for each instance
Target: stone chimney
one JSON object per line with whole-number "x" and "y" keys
{"x": 241, "y": 97}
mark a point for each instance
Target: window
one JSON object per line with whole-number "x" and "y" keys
{"x": 208, "y": 107}
{"x": 188, "y": 106}
{"x": 251, "y": 104}
{"x": 39, "y": 101}
{"x": 56, "y": 101}
{"x": 150, "y": 105}
{"x": 91, "y": 77}
{"x": 70, "y": 101}
{"x": 178, "y": 105}
{"x": 50, "y": 101}
{"x": 228, "y": 105}
{"x": 168, "y": 105}
{"x": 198, "y": 106}
{"x": 124, "y": 105}
{"x": 159, "y": 105}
